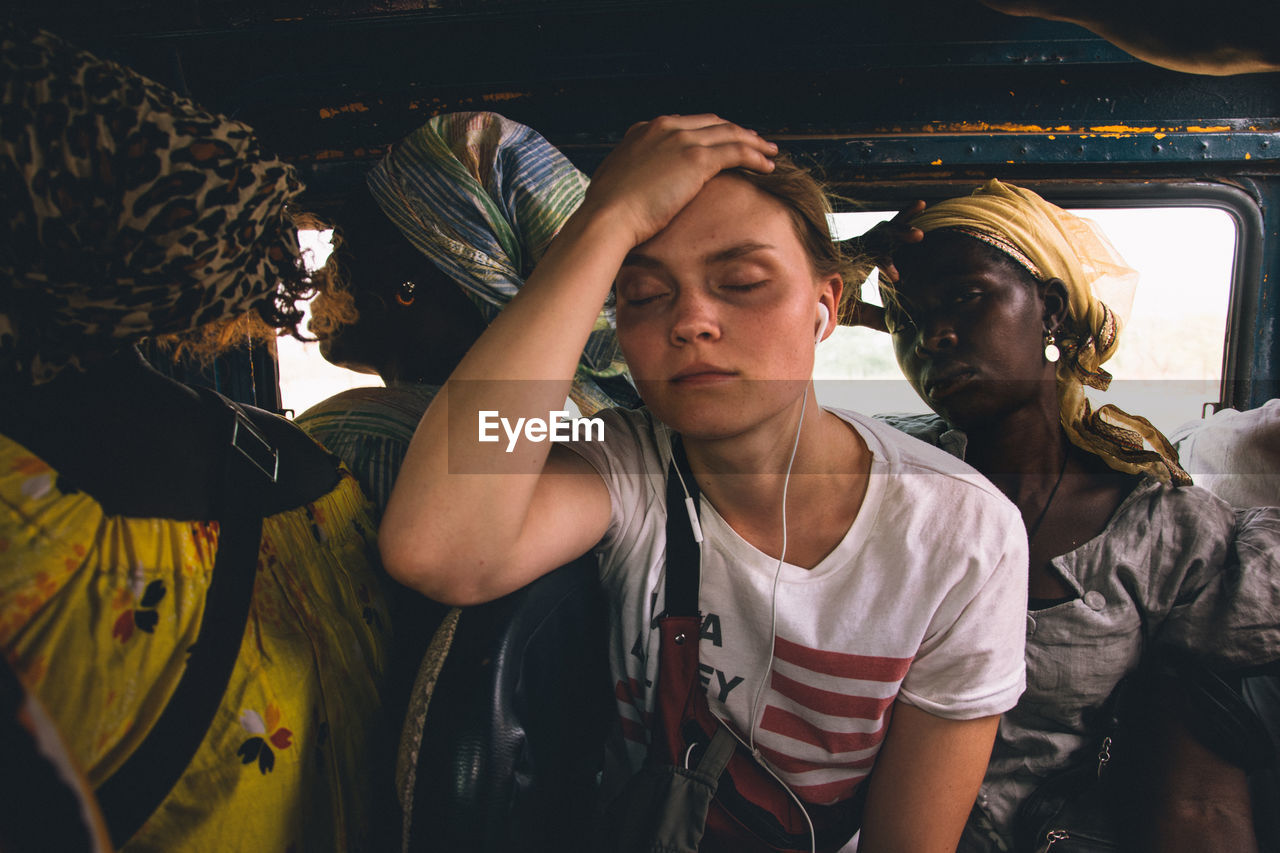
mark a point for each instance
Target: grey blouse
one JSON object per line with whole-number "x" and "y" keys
{"x": 1174, "y": 568}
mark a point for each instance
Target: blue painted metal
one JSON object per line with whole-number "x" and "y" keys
{"x": 889, "y": 104}
{"x": 1259, "y": 358}
{"x": 1102, "y": 144}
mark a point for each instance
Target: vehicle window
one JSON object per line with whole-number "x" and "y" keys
{"x": 1168, "y": 367}
{"x": 1169, "y": 364}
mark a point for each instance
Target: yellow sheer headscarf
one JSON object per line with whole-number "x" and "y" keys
{"x": 1049, "y": 242}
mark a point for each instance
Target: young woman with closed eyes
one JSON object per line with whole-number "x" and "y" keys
{"x": 895, "y": 642}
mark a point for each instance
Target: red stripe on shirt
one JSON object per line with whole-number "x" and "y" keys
{"x": 633, "y": 731}
{"x": 628, "y": 691}
{"x": 862, "y": 667}
{"x": 827, "y": 702}
{"x": 786, "y": 723}
{"x": 784, "y": 763}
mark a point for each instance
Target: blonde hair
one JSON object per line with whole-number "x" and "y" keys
{"x": 809, "y": 205}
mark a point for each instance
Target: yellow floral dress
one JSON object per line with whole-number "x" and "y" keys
{"x": 97, "y": 613}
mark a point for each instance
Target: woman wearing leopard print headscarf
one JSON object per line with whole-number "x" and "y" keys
{"x": 132, "y": 213}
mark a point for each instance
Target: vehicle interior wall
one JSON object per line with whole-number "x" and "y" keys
{"x": 890, "y": 103}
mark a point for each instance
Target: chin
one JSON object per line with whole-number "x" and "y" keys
{"x": 711, "y": 416}
{"x": 334, "y": 351}
{"x": 990, "y": 405}
{"x": 969, "y": 416}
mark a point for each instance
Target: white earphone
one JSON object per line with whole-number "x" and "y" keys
{"x": 824, "y": 316}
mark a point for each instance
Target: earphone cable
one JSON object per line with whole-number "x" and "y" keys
{"x": 773, "y": 635}
{"x": 777, "y": 573}
{"x": 773, "y": 617}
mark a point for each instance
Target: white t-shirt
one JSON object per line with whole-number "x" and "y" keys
{"x": 923, "y": 600}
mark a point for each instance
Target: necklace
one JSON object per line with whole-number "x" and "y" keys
{"x": 1031, "y": 531}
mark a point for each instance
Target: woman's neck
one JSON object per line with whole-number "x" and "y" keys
{"x": 1066, "y": 495}
{"x": 745, "y": 478}
{"x": 1022, "y": 454}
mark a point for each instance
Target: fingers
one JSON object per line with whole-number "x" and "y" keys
{"x": 867, "y": 315}
{"x": 908, "y": 235}
{"x": 662, "y": 164}
{"x": 681, "y": 122}
{"x": 715, "y": 144}
{"x": 889, "y": 272}
{"x": 907, "y": 213}
{"x": 886, "y": 237}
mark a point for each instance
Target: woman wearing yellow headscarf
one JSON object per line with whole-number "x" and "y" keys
{"x": 1003, "y": 308}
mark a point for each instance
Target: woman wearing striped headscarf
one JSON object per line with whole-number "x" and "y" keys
{"x": 186, "y": 586}
{"x": 429, "y": 248}
{"x": 1003, "y": 308}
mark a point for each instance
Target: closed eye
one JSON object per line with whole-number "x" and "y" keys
{"x": 637, "y": 291}
{"x": 746, "y": 286}
{"x": 644, "y": 300}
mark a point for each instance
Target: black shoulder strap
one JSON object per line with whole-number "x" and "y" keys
{"x": 684, "y": 560}
{"x": 136, "y": 789}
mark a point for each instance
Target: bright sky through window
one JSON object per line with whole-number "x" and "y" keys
{"x": 1168, "y": 366}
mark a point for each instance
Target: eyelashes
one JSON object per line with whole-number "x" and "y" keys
{"x": 651, "y": 298}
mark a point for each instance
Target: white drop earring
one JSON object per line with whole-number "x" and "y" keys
{"x": 1051, "y": 351}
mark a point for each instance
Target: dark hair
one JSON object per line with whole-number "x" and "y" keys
{"x": 276, "y": 314}
{"x": 368, "y": 251}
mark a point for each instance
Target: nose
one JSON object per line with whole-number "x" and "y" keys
{"x": 694, "y": 319}
{"x": 935, "y": 334}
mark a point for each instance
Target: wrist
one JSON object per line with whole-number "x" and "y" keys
{"x": 600, "y": 232}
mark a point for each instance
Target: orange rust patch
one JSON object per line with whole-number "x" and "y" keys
{"x": 1118, "y": 130}
{"x": 332, "y": 112}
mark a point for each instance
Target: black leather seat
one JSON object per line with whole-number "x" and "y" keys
{"x": 514, "y": 735}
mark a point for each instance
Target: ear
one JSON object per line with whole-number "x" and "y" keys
{"x": 1053, "y": 293}
{"x": 829, "y": 293}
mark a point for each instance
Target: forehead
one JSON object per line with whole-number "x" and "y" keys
{"x": 943, "y": 256}
{"x": 727, "y": 211}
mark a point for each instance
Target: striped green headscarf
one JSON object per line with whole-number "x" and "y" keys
{"x": 482, "y": 197}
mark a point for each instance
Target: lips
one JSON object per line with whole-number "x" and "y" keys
{"x": 702, "y": 373}
{"x": 946, "y": 379}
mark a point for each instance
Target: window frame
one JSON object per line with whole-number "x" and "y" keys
{"x": 1239, "y": 387}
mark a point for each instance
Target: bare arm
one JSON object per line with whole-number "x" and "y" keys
{"x": 876, "y": 247}
{"x": 1235, "y": 38}
{"x": 469, "y": 521}
{"x": 925, "y": 781}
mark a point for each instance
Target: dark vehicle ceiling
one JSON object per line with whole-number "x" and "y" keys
{"x": 927, "y": 89}
{"x": 891, "y": 101}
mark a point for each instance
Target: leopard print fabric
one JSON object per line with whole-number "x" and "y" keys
{"x": 128, "y": 211}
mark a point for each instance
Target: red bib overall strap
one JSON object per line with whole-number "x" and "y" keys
{"x": 751, "y": 811}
